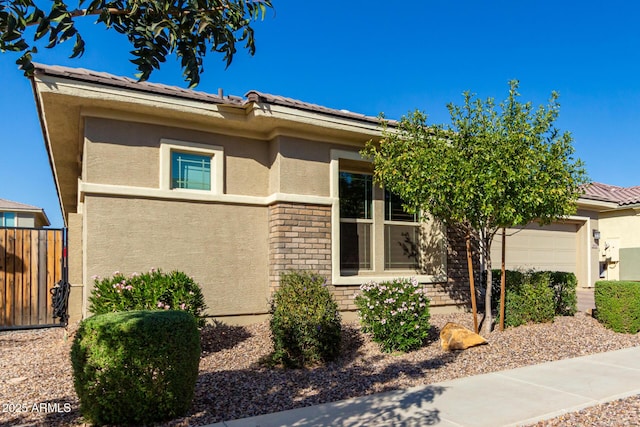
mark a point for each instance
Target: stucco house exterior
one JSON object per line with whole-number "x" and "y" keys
{"x": 15, "y": 214}
{"x": 234, "y": 190}
{"x": 619, "y": 230}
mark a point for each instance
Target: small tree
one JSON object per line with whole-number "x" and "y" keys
{"x": 489, "y": 169}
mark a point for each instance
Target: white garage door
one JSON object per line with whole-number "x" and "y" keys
{"x": 552, "y": 247}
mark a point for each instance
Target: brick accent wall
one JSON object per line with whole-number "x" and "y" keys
{"x": 299, "y": 239}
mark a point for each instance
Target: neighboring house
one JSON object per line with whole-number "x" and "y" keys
{"x": 14, "y": 214}
{"x": 619, "y": 230}
{"x": 233, "y": 191}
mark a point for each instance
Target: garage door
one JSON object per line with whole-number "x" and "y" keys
{"x": 552, "y": 247}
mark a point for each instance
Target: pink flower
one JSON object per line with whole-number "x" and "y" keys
{"x": 160, "y": 304}
{"x": 182, "y": 306}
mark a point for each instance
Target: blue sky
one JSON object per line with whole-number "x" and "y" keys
{"x": 393, "y": 57}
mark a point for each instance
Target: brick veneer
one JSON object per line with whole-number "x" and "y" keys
{"x": 300, "y": 239}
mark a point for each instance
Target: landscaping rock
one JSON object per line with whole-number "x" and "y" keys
{"x": 456, "y": 337}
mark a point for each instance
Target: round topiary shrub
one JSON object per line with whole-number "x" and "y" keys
{"x": 153, "y": 290}
{"x": 136, "y": 367}
{"x": 305, "y": 323}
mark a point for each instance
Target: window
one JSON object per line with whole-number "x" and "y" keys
{"x": 401, "y": 235}
{"x": 189, "y": 166}
{"x": 7, "y": 219}
{"x": 356, "y": 221}
{"x": 372, "y": 236}
{"x": 191, "y": 171}
{"x": 359, "y": 225}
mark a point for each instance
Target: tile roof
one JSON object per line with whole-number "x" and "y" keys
{"x": 612, "y": 193}
{"x": 255, "y": 96}
{"x": 10, "y": 205}
{"x": 82, "y": 74}
{"x": 252, "y": 96}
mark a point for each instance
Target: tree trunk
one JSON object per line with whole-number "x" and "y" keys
{"x": 503, "y": 278}
{"x": 472, "y": 287}
{"x": 488, "y": 317}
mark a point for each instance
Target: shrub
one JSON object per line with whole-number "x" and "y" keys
{"x": 136, "y": 367}
{"x": 564, "y": 288}
{"x": 305, "y": 323}
{"x": 563, "y": 285}
{"x": 618, "y": 305}
{"x": 154, "y": 290}
{"x": 396, "y": 313}
{"x": 529, "y": 301}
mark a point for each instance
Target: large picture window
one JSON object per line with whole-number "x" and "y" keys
{"x": 359, "y": 225}
{"x": 373, "y": 236}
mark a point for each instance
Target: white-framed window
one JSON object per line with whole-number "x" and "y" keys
{"x": 189, "y": 166}
{"x": 7, "y": 219}
{"x": 373, "y": 237}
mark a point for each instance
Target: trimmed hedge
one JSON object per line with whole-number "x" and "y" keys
{"x": 136, "y": 367}
{"x": 305, "y": 322}
{"x": 618, "y": 305}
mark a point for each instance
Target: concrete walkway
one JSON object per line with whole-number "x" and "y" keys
{"x": 508, "y": 398}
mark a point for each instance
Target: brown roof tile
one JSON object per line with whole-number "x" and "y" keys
{"x": 612, "y": 193}
{"x": 82, "y": 74}
{"x": 255, "y": 96}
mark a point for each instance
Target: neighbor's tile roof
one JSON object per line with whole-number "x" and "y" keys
{"x": 612, "y": 193}
{"x": 7, "y": 205}
{"x": 85, "y": 75}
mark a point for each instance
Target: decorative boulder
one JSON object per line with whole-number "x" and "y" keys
{"x": 457, "y": 337}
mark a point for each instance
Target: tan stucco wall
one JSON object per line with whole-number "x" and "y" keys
{"x": 74, "y": 262}
{"x": 223, "y": 247}
{"x": 124, "y": 153}
{"x": 619, "y": 230}
{"x": 303, "y": 166}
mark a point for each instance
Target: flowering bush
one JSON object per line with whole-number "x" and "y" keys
{"x": 396, "y": 313}
{"x": 154, "y": 290}
{"x": 305, "y": 322}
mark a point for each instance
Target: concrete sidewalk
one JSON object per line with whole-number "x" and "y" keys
{"x": 508, "y": 398}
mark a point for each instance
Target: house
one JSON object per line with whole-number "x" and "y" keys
{"x": 14, "y": 214}
{"x": 235, "y": 190}
{"x": 618, "y": 231}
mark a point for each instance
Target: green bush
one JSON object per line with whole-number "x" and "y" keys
{"x": 531, "y": 300}
{"x": 618, "y": 305}
{"x": 396, "y": 313}
{"x": 154, "y": 290}
{"x": 562, "y": 284}
{"x": 564, "y": 288}
{"x": 305, "y": 323}
{"x": 136, "y": 367}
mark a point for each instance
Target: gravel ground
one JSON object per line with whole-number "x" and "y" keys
{"x": 36, "y": 385}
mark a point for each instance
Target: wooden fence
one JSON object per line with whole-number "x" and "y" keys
{"x": 31, "y": 263}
